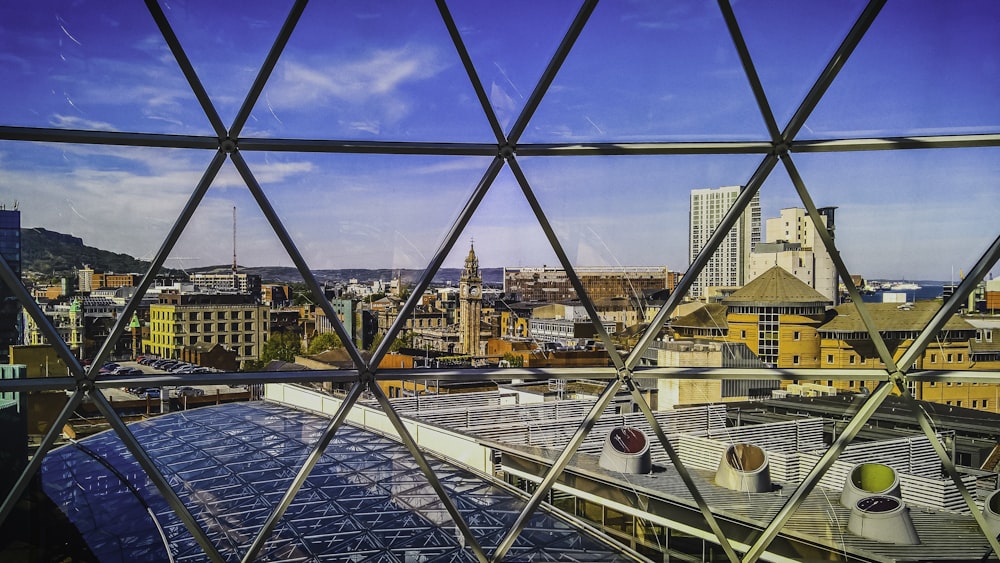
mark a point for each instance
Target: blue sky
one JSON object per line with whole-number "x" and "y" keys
{"x": 641, "y": 71}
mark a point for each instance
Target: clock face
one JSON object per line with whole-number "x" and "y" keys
{"x": 473, "y": 291}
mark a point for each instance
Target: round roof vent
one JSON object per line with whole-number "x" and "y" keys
{"x": 883, "y": 518}
{"x": 744, "y": 467}
{"x": 991, "y": 511}
{"x": 868, "y": 479}
{"x": 626, "y": 450}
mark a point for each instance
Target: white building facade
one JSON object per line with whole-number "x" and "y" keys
{"x": 728, "y": 266}
{"x": 792, "y": 241}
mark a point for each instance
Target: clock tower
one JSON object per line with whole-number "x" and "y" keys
{"x": 470, "y": 305}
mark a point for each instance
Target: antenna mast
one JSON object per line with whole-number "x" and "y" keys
{"x": 234, "y": 240}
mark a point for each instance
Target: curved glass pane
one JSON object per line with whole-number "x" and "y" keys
{"x": 511, "y": 51}
{"x": 78, "y": 65}
{"x": 226, "y": 47}
{"x": 374, "y": 71}
{"x": 923, "y": 69}
{"x": 646, "y": 71}
{"x": 816, "y": 30}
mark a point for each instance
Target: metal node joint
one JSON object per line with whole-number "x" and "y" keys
{"x": 625, "y": 376}
{"x": 781, "y": 149}
{"x": 506, "y": 152}
{"x": 227, "y": 145}
{"x": 85, "y": 385}
{"x": 367, "y": 378}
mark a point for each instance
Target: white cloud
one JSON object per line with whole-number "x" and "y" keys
{"x": 378, "y": 73}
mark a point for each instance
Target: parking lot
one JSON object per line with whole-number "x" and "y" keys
{"x": 186, "y": 391}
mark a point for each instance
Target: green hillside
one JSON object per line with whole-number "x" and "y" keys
{"x": 55, "y": 254}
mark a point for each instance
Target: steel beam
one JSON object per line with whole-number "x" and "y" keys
{"x": 439, "y": 257}
{"x": 557, "y": 467}
{"x": 188, "y": 69}
{"x": 686, "y": 281}
{"x": 555, "y": 63}
{"x": 300, "y": 478}
{"x": 149, "y": 467}
{"x": 799, "y": 495}
{"x": 550, "y": 234}
{"x": 266, "y": 68}
{"x": 418, "y": 456}
{"x": 470, "y": 69}
{"x": 832, "y": 69}
{"x": 293, "y": 252}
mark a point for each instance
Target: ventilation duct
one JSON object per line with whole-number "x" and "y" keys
{"x": 745, "y": 468}
{"x": 626, "y": 450}
{"x": 868, "y": 479}
{"x": 883, "y": 518}
{"x": 991, "y": 511}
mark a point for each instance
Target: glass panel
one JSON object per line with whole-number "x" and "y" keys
{"x": 81, "y": 66}
{"x": 226, "y": 48}
{"x": 919, "y": 71}
{"x": 925, "y": 212}
{"x": 621, "y": 81}
{"x": 816, "y": 29}
{"x": 511, "y": 51}
{"x": 373, "y": 71}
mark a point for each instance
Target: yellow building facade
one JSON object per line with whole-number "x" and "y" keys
{"x": 182, "y": 320}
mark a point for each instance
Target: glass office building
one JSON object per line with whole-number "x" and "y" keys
{"x": 393, "y": 135}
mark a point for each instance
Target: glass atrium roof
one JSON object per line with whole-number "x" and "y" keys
{"x": 366, "y": 499}
{"x": 387, "y": 134}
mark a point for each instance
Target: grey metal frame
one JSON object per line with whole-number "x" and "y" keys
{"x": 781, "y": 145}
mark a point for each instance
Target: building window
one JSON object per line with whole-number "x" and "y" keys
{"x": 975, "y": 404}
{"x": 949, "y": 359}
{"x": 850, "y": 359}
{"x": 933, "y": 358}
{"x": 829, "y": 358}
{"x": 961, "y": 357}
{"x": 958, "y": 403}
{"x": 795, "y": 360}
{"x": 743, "y": 334}
{"x": 796, "y": 335}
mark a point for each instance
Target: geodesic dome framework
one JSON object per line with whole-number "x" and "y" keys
{"x": 502, "y": 149}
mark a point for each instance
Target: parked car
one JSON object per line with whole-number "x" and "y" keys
{"x": 150, "y": 393}
{"x": 126, "y": 371}
{"x": 188, "y": 391}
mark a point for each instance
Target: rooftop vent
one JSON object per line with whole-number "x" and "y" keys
{"x": 626, "y": 450}
{"x": 991, "y": 511}
{"x": 868, "y": 479}
{"x": 883, "y": 518}
{"x": 744, "y": 467}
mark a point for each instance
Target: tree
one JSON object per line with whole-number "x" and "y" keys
{"x": 323, "y": 342}
{"x": 281, "y": 346}
{"x": 513, "y": 360}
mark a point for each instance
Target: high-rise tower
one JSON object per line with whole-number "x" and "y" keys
{"x": 10, "y": 308}
{"x": 470, "y": 304}
{"x": 728, "y": 265}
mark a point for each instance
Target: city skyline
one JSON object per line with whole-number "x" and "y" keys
{"x": 396, "y": 78}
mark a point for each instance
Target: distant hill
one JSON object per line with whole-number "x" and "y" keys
{"x": 53, "y": 253}
{"x": 284, "y": 274}
{"x": 57, "y": 254}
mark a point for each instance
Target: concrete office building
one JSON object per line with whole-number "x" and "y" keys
{"x": 792, "y": 242}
